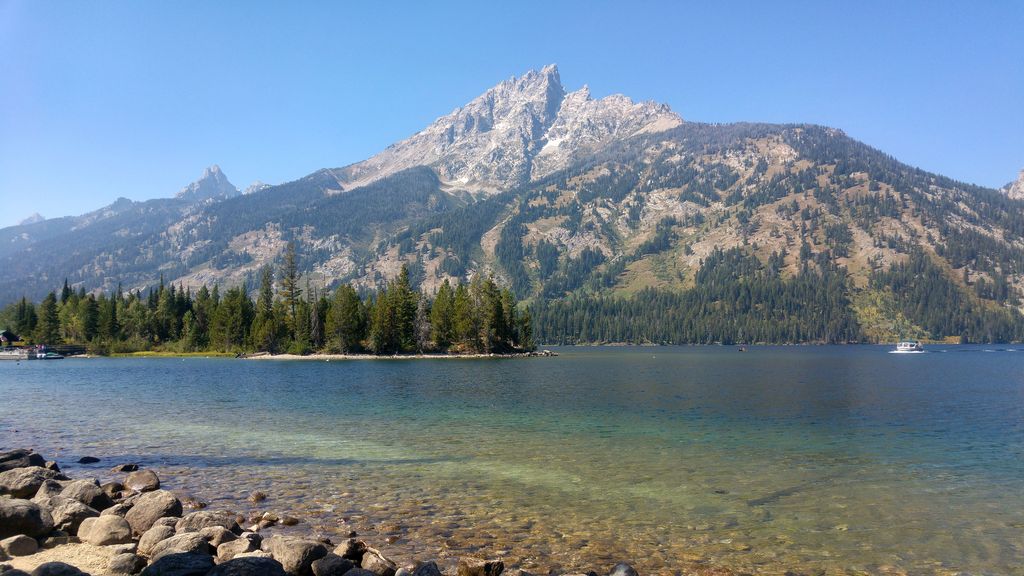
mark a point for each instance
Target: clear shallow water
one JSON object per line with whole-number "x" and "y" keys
{"x": 843, "y": 459}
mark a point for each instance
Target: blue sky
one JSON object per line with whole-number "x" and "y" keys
{"x": 106, "y": 99}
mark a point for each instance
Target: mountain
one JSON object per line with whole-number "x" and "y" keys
{"x": 212, "y": 185}
{"x": 35, "y": 217}
{"x": 1015, "y": 190}
{"x": 617, "y": 220}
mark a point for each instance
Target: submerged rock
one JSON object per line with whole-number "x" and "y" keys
{"x": 479, "y": 567}
{"x": 125, "y": 468}
{"x": 23, "y": 517}
{"x": 88, "y": 460}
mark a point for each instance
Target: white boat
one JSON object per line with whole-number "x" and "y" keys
{"x": 908, "y": 347}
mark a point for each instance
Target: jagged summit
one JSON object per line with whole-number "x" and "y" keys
{"x": 521, "y": 129}
{"x": 1015, "y": 190}
{"x": 213, "y": 184}
{"x": 256, "y": 186}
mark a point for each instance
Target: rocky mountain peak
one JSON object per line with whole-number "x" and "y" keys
{"x": 493, "y": 142}
{"x": 1015, "y": 190}
{"x": 35, "y": 217}
{"x": 213, "y": 184}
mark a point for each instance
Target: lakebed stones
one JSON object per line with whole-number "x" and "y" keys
{"x": 249, "y": 566}
{"x": 20, "y": 458}
{"x": 142, "y": 481}
{"x": 480, "y": 567}
{"x": 25, "y": 482}
{"x": 105, "y": 530}
{"x": 150, "y": 507}
{"x": 295, "y": 555}
{"x": 23, "y": 517}
{"x": 19, "y": 545}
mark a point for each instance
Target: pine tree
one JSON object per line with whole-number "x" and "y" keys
{"x": 290, "y": 291}
{"x": 48, "y": 328}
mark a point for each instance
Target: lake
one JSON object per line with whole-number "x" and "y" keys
{"x": 842, "y": 459}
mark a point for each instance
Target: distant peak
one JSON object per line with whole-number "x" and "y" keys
{"x": 35, "y": 217}
{"x": 213, "y": 184}
{"x": 256, "y": 186}
{"x": 1015, "y": 190}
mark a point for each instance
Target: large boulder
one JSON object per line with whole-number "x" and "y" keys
{"x": 375, "y": 562}
{"x": 247, "y": 542}
{"x": 120, "y": 509}
{"x": 150, "y": 507}
{"x": 105, "y": 530}
{"x": 196, "y": 521}
{"x": 19, "y": 545}
{"x": 57, "y": 569}
{"x": 250, "y": 566}
{"x": 217, "y": 535}
{"x": 332, "y": 565}
{"x": 142, "y": 481}
{"x": 191, "y": 543}
{"x": 126, "y": 563}
{"x": 49, "y": 488}
{"x": 479, "y": 567}
{"x": 352, "y": 549}
{"x": 87, "y": 493}
{"x": 23, "y": 517}
{"x": 295, "y": 554}
{"x": 25, "y": 482}
{"x": 156, "y": 534}
{"x": 20, "y": 458}
{"x": 67, "y": 514}
{"x": 184, "y": 564}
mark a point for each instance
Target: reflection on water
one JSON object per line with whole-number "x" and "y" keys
{"x": 845, "y": 459}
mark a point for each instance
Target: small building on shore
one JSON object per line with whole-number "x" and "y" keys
{"x": 8, "y": 338}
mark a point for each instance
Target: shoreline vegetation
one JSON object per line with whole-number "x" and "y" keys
{"x": 474, "y": 318}
{"x": 51, "y": 524}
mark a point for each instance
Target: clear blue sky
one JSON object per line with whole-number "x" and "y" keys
{"x": 106, "y": 99}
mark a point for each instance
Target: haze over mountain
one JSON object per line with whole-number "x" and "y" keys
{"x": 619, "y": 220}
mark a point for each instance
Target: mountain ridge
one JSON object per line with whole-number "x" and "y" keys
{"x": 573, "y": 200}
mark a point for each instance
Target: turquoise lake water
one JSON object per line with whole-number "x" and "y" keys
{"x": 842, "y": 460}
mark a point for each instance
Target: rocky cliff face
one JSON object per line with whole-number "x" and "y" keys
{"x": 213, "y": 184}
{"x": 1015, "y": 190}
{"x": 520, "y": 130}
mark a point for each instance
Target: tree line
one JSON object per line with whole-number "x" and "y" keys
{"x": 473, "y": 317}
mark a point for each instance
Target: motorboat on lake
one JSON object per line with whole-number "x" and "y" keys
{"x": 908, "y": 347}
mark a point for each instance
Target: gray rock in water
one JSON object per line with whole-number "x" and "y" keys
{"x": 88, "y": 460}
{"x": 332, "y": 565}
{"x": 180, "y": 565}
{"x": 375, "y": 562}
{"x": 20, "y": 458}
{"x": 479, "y": 567}
{"x": 251, "y": 566}
{"x": 19, "y": 545}
{"x": 87, "y": 493}
{"x": 23, "y": 517}
{"x": 427, "y": 569}
{"x": 142, "y": 481}
{"x": 152, "y": 537}
{"x": 623, "y": 569}
{"x": 150, "y": 507}
{"x": 126, "y": 563}
{"x": 125, "y": 468}
{"x": 296, "y": 555}
{"x": 191, "y": 543}
{"x": 105, "y": 530}
{"x": 67, "y": 514}
{"x": 196, "y": 521}
{"x": 25, "y": 482}
{"x": 57, "y": 569}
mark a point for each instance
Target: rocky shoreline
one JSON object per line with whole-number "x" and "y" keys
{"x": 52, "y": 525}
{"x": 325, "y": 357}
